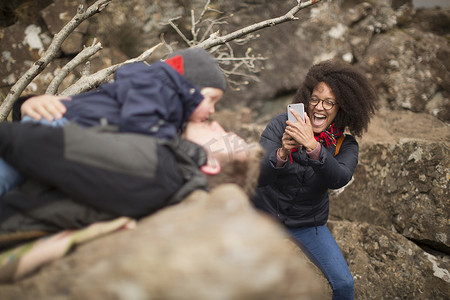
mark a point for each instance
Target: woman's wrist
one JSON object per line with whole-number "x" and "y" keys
{"x": 282, "y": 154}
{"x": 311, "y": 146}
{"x": 315, "y": 154}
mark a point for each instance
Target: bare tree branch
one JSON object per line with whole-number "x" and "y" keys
{"x": 175, "y": 27}
{"x": 215, "y": 39}
{"x": 49, "y": 55}
{"x": 86, "y": 83}
{"x": 220, "y": 47}
{"x": 77, "y": 60}
{"x": 195, "y": 31}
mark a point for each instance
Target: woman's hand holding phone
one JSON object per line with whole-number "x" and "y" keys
{"x": 288, "y": 143}
{"x": 301, "y": 132}
{"x": 299, "y": 109}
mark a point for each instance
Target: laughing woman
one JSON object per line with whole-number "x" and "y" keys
{"x": 307, "y": 158}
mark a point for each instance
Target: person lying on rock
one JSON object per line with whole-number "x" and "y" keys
{"x": 77, "y": 176}
{"x": 156, "y": 100}
{"x": 307, "y": 158}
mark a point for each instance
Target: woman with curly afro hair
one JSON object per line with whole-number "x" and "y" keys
{"x": 305, "y": 159}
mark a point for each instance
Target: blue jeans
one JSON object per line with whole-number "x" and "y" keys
{"x": 10, "y": 177}
{"x": 324, "y": 252}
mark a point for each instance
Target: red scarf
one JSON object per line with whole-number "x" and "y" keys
{"x": 329, "y": 136}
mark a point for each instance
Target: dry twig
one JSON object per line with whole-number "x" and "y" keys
{"x": 77, "y": 60}
{"x": 219, "y": 45}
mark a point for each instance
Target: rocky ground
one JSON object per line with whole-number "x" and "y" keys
{"x": 388, "y": 126}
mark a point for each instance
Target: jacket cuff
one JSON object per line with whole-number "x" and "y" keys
{"x": 315, "y": 154}
{"x": 280, "y": 161}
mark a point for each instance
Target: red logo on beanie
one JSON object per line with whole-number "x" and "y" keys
{"x": 176, "y": 62}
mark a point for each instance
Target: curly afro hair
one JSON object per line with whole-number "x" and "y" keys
{"x": 354, "y": 93}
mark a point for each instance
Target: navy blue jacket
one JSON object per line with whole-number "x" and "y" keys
{"x": 297, "y": 193}
{"x": 154, "y": 100}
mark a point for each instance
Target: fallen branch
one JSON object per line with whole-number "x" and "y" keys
{"x": 77, "y": 60}
{"x": 86, "y": 83}
{"x": 49, "y": 55}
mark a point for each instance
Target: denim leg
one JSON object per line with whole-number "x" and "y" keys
{"x": 324, "y": 252}
{"x": 9, "y": 177}
{"x": 54, "y": 123}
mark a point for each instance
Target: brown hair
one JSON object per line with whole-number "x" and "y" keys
{"x": 243, "y": 173}
{"x": 354, "y": 93}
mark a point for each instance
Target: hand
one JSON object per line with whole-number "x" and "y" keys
{"x": 48, "y": 107}
{"x": 288, "y": 143}
{"x": 301, "y": 132}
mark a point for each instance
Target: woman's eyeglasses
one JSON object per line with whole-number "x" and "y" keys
{"x": 326, "y": 103}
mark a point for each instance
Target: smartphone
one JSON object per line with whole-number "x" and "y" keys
{"x": 299, "y": 108}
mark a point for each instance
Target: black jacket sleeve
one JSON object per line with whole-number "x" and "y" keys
{"x": 271, "y": 142}
{"x": 336, "y": 172}
{"x": 124, "y": 174}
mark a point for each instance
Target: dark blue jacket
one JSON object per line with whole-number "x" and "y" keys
{"x": 154, "y": 100}
{"x": 297, "y": 193}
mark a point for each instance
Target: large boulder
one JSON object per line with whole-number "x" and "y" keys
{"x": 210, "y": 246}
{"x": 402, "y": 186}
{"x": 409, "y": 67}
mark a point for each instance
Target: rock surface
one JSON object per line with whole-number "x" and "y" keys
{"x": 405, "y": 188}
{"x": 212, "y": 246}
{"x": 376, "y": 256}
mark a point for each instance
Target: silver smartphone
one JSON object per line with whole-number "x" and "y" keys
{"x": 299, "y": 108}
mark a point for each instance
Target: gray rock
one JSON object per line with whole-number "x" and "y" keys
{"x": 409, "y": 74}
{"x": 208, "y": 247}
{"x": 376, "y": 256}
{"x": 20, "y": 47}
{"x": 402, "y": 186}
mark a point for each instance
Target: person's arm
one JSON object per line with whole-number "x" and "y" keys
{"x": 271, "y": 141}
{"x": 280, "y": 161}
{"x": 48, "y": 107}
{"x": 336, "y": 172}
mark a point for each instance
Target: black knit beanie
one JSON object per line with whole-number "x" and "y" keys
{"x": 199, "y": 68}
